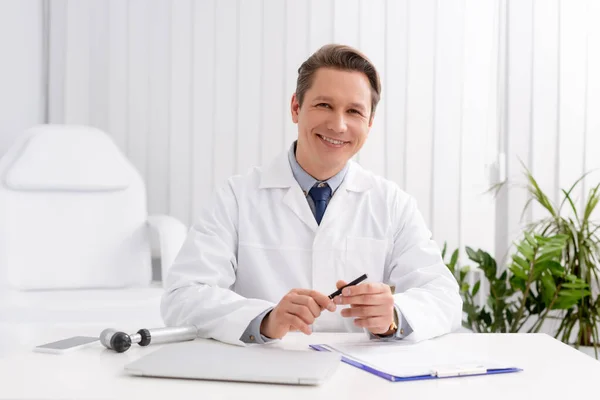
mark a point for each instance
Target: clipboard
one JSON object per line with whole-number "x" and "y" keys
{"x": 437, "y": 372}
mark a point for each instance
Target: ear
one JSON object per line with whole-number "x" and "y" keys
{"x": 295, "y": 108}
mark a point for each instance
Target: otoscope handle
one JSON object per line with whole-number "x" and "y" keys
{"x": 166, "y": 335}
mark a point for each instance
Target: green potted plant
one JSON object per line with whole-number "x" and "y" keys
{"x": 552, "y": 274}
{"x": 521, "y": 295}
{"x": 581, "y": 257}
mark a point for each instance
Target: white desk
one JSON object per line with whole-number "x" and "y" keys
{"x": 552, "y": 370}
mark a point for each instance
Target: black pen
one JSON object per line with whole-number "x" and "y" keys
{"x": 354, "y": 282}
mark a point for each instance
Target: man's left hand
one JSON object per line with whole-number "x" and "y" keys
{"x": 372, "y": 304}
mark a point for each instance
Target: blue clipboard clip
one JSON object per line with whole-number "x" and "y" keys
{"x": 439, "y": 373}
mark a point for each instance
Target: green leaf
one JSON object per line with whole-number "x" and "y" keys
{"x": 475, "y": 288}
{"x": 518, "y": 272}
{"x": 521, "y": 262}
{"x": 472, "y": 254}
{"x": 525, "y": 249}
{"x": 486, "y": 317}
{"x": 548, "y": 288}
{"x": 454, "y": 257}
{"x": 576, "y": 285}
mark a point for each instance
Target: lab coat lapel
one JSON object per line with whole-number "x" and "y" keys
{"x": 279, "y": 175}
{"x": 356, "y": 180}
{"x": 296, "y": 201}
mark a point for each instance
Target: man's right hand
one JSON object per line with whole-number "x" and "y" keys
{"x": 296, "y": 311}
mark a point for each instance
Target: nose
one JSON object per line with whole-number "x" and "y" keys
{"x": 337, "y": 122}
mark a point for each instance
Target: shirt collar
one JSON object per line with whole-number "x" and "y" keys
{"x": 305, "y": 180}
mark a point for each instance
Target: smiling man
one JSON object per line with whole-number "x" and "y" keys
{"x": 263, "y": 255}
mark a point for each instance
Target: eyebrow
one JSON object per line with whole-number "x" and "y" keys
{"x": 329, "y": 99}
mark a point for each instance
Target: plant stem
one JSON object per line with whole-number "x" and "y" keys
{"x": 540, "y": 321}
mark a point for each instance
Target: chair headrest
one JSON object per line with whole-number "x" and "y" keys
{"x": 68, "y": 158}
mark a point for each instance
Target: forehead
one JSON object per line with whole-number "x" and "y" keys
{"x": 340, "y": 85}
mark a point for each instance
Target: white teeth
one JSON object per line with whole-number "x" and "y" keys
{"x": 338, "y": 142}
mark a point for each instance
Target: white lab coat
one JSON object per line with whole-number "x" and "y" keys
{"x": 258, "y": 239}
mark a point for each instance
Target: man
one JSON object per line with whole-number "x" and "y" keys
{"x": 262, "y": 257}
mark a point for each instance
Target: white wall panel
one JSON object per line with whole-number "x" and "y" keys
{"x": 573, "y": 65}
{"x": 296, "y": 37}
{"x": 226, "y": 99}
{"x": 203, "y": 106}
{"x": 179, "y": 135}
{"x": 138, "y": 88}
{"x": 249, "y": 85}
{"x": 447, "y": 128}
{"x": 544, "y": 105}
{"x": 479, "y": 118}
{"x": 396, "y": 53}
{"x": 274, "y": 110}
{"x": 422, "y": 16}
{"x": 23, "y": 67}
{"x": 373, "y": 43}
{"x": 198, "y": 90}
{"x": 592, "y": 122}
{"x": 519, "y": 100}
{"x": 118, "y": 60}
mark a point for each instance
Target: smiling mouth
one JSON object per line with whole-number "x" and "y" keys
{"x": 332, "y": 142}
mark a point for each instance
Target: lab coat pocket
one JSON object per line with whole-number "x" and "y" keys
{"x": 365, "y": 255}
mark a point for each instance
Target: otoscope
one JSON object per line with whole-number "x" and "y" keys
{"x": 121, "y": 341}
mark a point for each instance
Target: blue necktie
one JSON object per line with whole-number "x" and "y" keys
{"x": 320, "y": 193}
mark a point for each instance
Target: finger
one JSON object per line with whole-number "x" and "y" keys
{"x": 366, "y": 288}
{"x": 308, "y": 302}
{"x": 366, "y": 311}
{"x": 374, "y": 323}
{"x": 301, "y": 311}
{"x": 340, "y": 284}
{"x": 297, "y": 323}
{"x": 365, "y": 299}
{"x": 322, "y": 300}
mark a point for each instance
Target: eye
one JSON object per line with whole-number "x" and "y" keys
{"x": 323, "y": 105}
{"x": 355, "y": 111}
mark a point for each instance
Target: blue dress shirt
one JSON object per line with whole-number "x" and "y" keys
{"x": 306, "y": 181}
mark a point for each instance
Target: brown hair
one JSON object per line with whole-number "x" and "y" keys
{"x": 340, "y": 57}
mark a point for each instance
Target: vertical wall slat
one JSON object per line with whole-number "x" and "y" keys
{"x": 372, "y": 42}
{"x": 226, "y": 91}
{"x": 138, "y": 85}
{"x": 572, "y": 95}
{"x": 249, "y": 86}
{"x": 346, "y": 27}
{"x": 519, "y": 108}
{"x": 479, "y": 136}
{"x": 272, "y": 90}
{"x": 295, "y": 52}
{"x": 345, "y": 22}
{"x": 180, "y": 130}
{"x": 77, "y": 65}
{"x": 545, "y": 99}
{"x": 158, "y": 105}
{"x": 118, "y": 49}
{"x": 397, "y": 25}
{"x": 320, "y": 21}
{"x": 99, "y": 64}
{"x": 203, "y": 105}
{"x": 447, "y": 125}
{"x": 57, "y": 61}
{"x": 419, "y": 114}
{"x": 592, "y": 124}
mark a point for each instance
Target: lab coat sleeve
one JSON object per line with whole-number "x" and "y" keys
{"x": 198, "y": 289}
{"x": 427, "y": 293}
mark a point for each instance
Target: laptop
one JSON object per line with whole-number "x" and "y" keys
{"x": 211, "y": 360}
